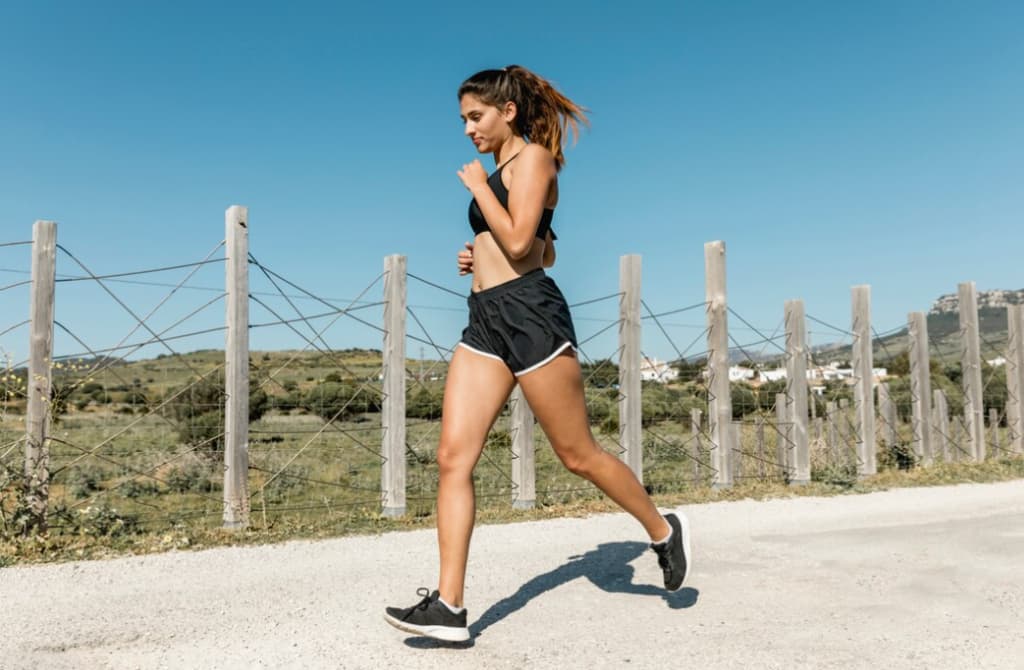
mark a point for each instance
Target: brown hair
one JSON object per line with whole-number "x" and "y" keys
{"x": 543, "y": 114}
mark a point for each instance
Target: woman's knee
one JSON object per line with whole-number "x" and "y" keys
{"x": 580, "y": 460}
{"x": 455, "y": 457}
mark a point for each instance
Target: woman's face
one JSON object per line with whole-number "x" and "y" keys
{"x": 486, "y": 125}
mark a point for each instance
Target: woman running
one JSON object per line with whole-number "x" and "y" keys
{"x": 519, "y": 331}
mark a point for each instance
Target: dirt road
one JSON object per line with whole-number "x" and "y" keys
{"x": 911, "y": 578}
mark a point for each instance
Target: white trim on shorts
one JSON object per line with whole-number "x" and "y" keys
{"x": 546, "y": 360}
{"x": 482, "y": 353}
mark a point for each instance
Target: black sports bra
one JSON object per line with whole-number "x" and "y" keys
{"x": 476, "y": 218}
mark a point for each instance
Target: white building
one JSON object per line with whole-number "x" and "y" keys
{"x": 653, "y": 370}
{"x": 738, "y": 373}
{"x": 772, "y": 375}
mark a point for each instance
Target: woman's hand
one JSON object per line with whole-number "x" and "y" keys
{"x": 466, "y": 260}
{"x": 473, "y": 175}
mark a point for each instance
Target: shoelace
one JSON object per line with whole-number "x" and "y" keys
{"x": 424, "y": 593}
{"x": 425, "y": 603}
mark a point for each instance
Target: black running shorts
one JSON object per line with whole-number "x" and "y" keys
{"x": 524, "y": 323}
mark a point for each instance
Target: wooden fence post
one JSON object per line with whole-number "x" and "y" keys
{"x": 844, "y": 425}
{"x": 970, "y": 366}
{"x": 697, "y": 446}
{"x": 236, "y": 369}
{"x": 1015, "y": 378}
{"x": 833, "y": 441}
{"x": 863, "y": 370}
{"x": 920, "y": 386}
{"x": 993, "y": 426}
{"x": 956, "y": 437}
{"x": 630, "y": 407}
{"x": 759, "y": 447}
{"x": 887, "y": 411}
{"x": 392, "y": 416}
{"x": 524, "y": 476}
{"x": 720, "y": 398}
{"x": 796, "y": 391}
{"x": 940, "y": 425}
{"x": 783, "y": 437}
{"x": 737, "y": 455}
{"x": 37, "y": 417}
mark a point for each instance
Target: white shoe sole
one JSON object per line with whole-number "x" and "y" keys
{"x": 684, "y": 523}
{"x": 446, "y": 633}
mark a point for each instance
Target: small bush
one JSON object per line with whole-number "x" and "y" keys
{"x": 897, "y": 457}
{"x": 844, "y": 475}
{"x": 100, "y": 520}
{"x": 424, "y": 403}
{"x": 90, "y": 387}
{"x": 192, "y": 477}
{"x": 135, "y": 398}
{"x": 136, "y": 488}
{"x": 84, "y": 480}
{"x": 341, "y": 400}
{"x": 199, "y": 413}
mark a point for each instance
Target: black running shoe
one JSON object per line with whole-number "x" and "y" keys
{"x": 674, "y": 555}
{"x": 429, "y": 617}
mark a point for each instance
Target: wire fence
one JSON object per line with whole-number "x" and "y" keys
{"x": 137, "y": 435}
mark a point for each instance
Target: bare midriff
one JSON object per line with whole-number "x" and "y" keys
{"x": 491, "y": 266}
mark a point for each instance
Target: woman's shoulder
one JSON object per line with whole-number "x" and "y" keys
{"x": 537, "y": 154}
{"x": 537, "y": 160}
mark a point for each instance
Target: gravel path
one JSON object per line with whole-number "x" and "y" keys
{"x": 910, "y": 578}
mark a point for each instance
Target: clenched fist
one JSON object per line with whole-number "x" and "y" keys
{"x": 473, "y": 174}
{"x": 466, "y": 259}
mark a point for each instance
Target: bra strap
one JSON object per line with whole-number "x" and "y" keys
{"x": 502, "y": 167}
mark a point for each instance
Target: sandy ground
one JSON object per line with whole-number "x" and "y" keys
{"x": 912, "y": 578}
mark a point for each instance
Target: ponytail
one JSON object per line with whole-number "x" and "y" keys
{"x": 544, "y": 116}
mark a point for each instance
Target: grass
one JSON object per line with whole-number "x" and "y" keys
{"x": 85, "y": 542}
{"x": 124, "y": 482}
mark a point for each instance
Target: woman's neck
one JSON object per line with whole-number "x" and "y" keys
{"x": 508, "y": 149}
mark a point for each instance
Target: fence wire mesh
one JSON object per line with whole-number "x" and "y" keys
{"x": 137, "y": 420}
{"x": 122, "y": 451}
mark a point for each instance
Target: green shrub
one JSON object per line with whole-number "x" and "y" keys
{"x": 135, "y": 398}
{"x": 601, "y": 373}
{"x": 85, "y": 479}
{"x": 424, "y": 403}
{"x": 136, "y": 488}
{"x": 191, "y": 477}
{"x": 99, "y": 520}
{"x": 897, "y": 456}
{"x": 199, "y": 413}
{"x": 743, "y": 399}
{"x": 844, "y": 475}
{"x": 341, "y": 400}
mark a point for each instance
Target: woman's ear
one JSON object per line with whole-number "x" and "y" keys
{"x": 509, "y": 111}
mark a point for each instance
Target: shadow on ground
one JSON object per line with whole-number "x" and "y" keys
{"x": 606, "y": 567}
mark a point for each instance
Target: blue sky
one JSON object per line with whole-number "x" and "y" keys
{"x": 829, "y": 144}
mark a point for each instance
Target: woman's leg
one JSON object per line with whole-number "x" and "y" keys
{"x": 474, "y": 393}
{"x": 555, "y": 394}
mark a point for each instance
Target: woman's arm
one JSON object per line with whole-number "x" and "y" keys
{"x": 549, "y": 251}
{"x": 515, "y": 228}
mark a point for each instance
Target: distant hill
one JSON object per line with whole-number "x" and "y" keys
{"x": 995, "y": 299}
{"x": 943, "y": 331}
